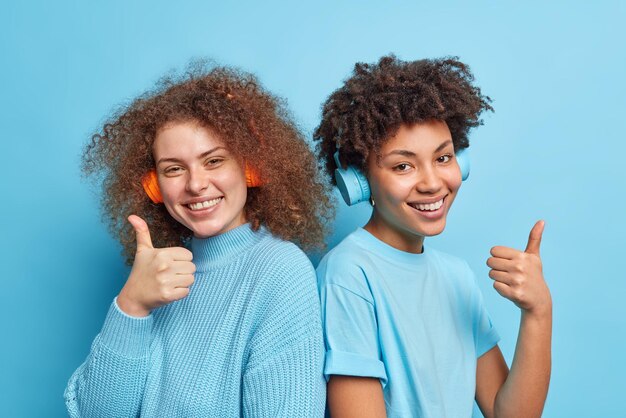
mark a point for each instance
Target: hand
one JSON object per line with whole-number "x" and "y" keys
{"x": 159, "y": 275}
{"x": 518, "y": 275}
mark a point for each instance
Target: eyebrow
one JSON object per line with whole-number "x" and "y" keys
{"x": 407, "y": 153}
{"x": 203, "y": 155}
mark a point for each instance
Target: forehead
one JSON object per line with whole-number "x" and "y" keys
{"x": 184, "y": 139}
{"x": 419, "y": 138}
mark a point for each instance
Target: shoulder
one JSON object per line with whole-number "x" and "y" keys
{"x": 280, "y": 264}
{"x": 343, "y": 267}
{"x": 275, "y": 254}
{"x": 284, "y": 292}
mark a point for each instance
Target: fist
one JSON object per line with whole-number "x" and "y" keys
{"x": 518, "y": 275}
{"x": 159, "y": 275}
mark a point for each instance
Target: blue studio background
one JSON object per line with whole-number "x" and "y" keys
{"x": 554, "y": 150}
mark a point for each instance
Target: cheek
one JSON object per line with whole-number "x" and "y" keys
{"x": 455, "y": 183}
{"x": 389, "y": 191}
{"x": 233, "y": 183}
{"x": 453, "y": 179}
{"x": 169, "y": 190}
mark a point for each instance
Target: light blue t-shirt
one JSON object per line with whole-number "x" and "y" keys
{"x": 415, "y": 321}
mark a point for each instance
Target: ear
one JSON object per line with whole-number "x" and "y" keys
{"x": 352, "y": 183}
{"x": 253, "y": 177}
{"x": 150, "y": 185}
{"x": 462, "y": 158}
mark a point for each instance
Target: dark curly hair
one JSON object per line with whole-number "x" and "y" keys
{"x": 378, "y": 98}
{"x": 294, "y": 202}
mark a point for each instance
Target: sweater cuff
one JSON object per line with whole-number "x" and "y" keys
{"x": 127, "y": 335}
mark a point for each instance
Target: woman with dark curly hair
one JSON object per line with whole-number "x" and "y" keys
{"x": 219, "y": 316}
{"x": 406, "y": 330}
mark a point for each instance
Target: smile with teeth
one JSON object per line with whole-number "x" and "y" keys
{"x": 427, "y": 207}
{"x": 205, "y": 204}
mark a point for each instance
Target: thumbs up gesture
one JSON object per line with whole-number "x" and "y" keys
{"x": 518, "y": 276}
{"x": 159, "y": 275}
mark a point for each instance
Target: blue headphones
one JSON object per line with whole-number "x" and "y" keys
{"x": 355, "y": 188}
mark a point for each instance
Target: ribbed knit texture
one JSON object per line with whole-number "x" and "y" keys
{"x": 246, "y": 342}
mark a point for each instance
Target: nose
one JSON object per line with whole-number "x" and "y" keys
{"x": 429, "y": 180}
{"x": 198, "y": 180}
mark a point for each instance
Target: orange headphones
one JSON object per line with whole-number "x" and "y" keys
{"x": 151, "y": 185}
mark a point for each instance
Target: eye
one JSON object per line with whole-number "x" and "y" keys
{"x": 402, "y": 167}
{"x": 444, "y": 158}
{"x": 213, "y": 162}
{"x": 172, "y": 171}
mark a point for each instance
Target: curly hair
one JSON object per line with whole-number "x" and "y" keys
{"x": 294, "y": 202}
{"x": 378, "y": 98}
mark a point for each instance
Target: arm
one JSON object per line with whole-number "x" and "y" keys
{"x": 355, "y": 397}
{"x": 288, "y": 384}
{"x": 283, "y": 376}
{"x": 353, "y": 366}
{"x": 522, "y": 391}
{"x": 111, "y": 381}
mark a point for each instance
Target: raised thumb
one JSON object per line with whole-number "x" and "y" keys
{"x": 534, "y": 238}
{"x": 142, "y": 232}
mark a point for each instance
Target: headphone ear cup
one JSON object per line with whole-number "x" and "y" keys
{"x": 352, "y": 183}
{"x": 463, "y": 159}
{"x": 253, "y": 178}
{"x": 151, "y": 186}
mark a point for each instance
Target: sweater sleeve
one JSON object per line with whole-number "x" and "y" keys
{"x": 284, "y": 372}
{"x": 111, "y": 380}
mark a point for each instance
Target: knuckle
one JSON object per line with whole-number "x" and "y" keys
{"x": 166, "y": 295}
{"x": 161, "y": 279}
{"x": 526, "y": 257}
{"x": 161, "y": 255}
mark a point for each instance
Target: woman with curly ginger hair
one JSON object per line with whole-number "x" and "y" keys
{"x": 406, "y": 330}
{"x": 229, "y": 326}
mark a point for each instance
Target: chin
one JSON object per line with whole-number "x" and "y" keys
{"x": 432, "y": 231}
{"x": 207, "y": 232}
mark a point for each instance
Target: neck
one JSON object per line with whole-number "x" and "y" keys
{"x": 393, "y": 235}
{"x": 221, "y": 248}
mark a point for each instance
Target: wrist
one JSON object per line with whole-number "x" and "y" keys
{"x": 130, "y": 307}
{"x": 541, "y": 312}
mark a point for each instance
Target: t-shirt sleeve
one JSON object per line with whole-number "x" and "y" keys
{"x": 349, "y": 321}
{"x": 485, "y": 334}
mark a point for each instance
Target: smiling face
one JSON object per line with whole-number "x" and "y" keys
{"x": 202, "y": 183}
{"x": 414, "y": 180}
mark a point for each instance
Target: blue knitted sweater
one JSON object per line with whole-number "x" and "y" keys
{"x": 246, "y": 342}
